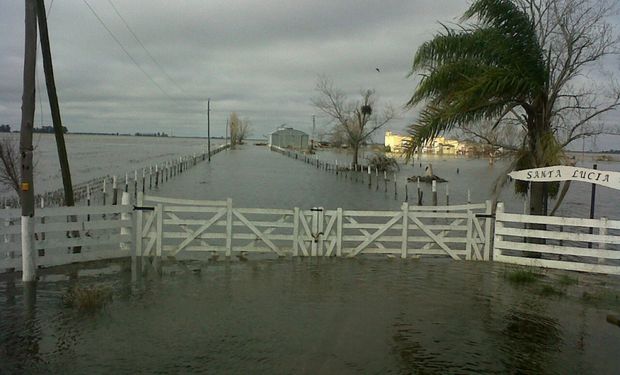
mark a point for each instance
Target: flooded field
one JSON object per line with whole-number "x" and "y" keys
{"x": 314, "y": 316}
{"x": 309, "y": 316}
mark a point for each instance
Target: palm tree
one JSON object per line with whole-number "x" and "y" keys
{"x": 489, "y": 69}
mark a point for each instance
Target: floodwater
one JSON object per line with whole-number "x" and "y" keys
{"x": 315, "y": 316}
{"x": 282, "y": 316}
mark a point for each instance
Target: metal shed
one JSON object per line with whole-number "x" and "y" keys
{"x": 289, "y": 137}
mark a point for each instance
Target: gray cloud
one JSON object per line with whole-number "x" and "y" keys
{"x": 259, "y": 58}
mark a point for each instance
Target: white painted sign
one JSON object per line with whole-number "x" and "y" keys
{"x": 565, "y": 173}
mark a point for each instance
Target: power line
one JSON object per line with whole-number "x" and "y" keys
{"x": 124, "y": 49}
{"x": 144, "y": 47}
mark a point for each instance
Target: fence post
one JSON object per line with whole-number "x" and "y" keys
{"x": 114, "y": 191}
{"x": 125, "y": 201}
{"x": 315, "y": 230}
{"x": 321, "y": 231}
{"x": 138, "y": 226}
{"x": 296, "y": 231}
{"x": 469, "y": 238}
{"x": 160, "y": 229}
{"x": 434, "y": 191}
{"x": 339, "y": 231}
{"x": 487, "y": 230}
{"x": 602, "y": 231}
{"x": 229, "y": 225}
{"x": 405, "y": 234}
{"x": 29, "y": 265}
{"x": 498, "y": 226}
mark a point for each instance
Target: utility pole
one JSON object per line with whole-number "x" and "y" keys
{"x": 209, "y": 128}
{"x": 313, "y": 127}
{"x": 25, "y": 144}
{"x": 54, "y": 108}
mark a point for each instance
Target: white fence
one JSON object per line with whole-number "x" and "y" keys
{"x": 568, "y": 243}
{"x": 64, "y": 235}
{"x": 169, "y": 226}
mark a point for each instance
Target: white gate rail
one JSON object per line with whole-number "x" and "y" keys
{"x": 97, "y": 232}
{"x": 512, "y": 242}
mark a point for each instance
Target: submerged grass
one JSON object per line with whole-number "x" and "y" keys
{"x": 522, "y": 277}
{"x": 566, "y": 280}
{"x": 87, "y": 299}
{"x": 550, "y": 290}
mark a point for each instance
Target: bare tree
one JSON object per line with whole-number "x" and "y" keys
{"x": 239, "y": 129}
{"x": 356, "y": 121}
{"x": 9, "y": 164}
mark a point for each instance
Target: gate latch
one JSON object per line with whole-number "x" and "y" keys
{"x": 143, "y": 208}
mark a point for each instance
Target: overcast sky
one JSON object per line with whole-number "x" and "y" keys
{"x": 260, "y": 58}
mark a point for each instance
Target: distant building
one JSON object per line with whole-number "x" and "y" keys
{"x": 288, "y": 138}
{"x": 5, "y": 128}
{"x": 396, "y": 142}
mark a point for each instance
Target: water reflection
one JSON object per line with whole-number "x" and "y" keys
{"x": 529, "y": 341}
{"x": 300, "y": 315}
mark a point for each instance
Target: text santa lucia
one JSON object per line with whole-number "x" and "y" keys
{"x": 565, "y": 173}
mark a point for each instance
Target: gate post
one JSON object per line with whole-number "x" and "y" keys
{"x": 321, "y": 226}
{"x": 138, "y": 225}
{"x": 498, "y": 225}
{"x": 487, "y": 229}
{"x": 405, "y": 238}
{"x": 160, "y": 228}
{"x": 124, "y": 217}
{"x": 229, "y": 218}
{"x": 339, "y": 232}
{"x": 315, "y": 231}
{"x": 296, "y": 231}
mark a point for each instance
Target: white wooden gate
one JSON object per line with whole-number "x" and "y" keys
{"x": 169, "y": 226}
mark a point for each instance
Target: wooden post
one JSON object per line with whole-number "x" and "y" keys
{"x": 138, "y": 225}
{"x": 42, "y": 234}
{"x": 603, "y": 232}
{"x": 125, "y": 201}
{"x": 143, "y": 180}
{"x": 315, "y": 231}
{"x": 339, "y": 232}
{"x": 50, "y": 83}
{"x": 395, "y": 188}
{"x": 468, "y": 196}
{"x": 296, "y": 231}
{"x": 377, "y": 178}
{"x": 114, "y": 191}
{"x": 487, "y": 229}
{"x": 25, "y": 144}
{"x": 592, "y": 204}
{"x": 447, "y": 194}
{"x": 87, "y": 201}
{"x": 229, "y": 226}
{"x": 160, "y": 229}
{"x": 135, "y": 185}
{"x": 406, "y": 193}
{"x": 103, "y": 191}
{"x": 498, "y": 226}
{"x": 156, "y": 176}
{"x": 126, "y": 184}
{"x": 369, "y": 178}
{"x": 385, "y": 180}
{"x": 419, "y": 193}
{"x": 434, "y": 191}
{"x": 405, "y": 238}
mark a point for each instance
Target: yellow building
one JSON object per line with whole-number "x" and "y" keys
{"x": 439, "y": 145}
{"x": 396, "y": 142}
